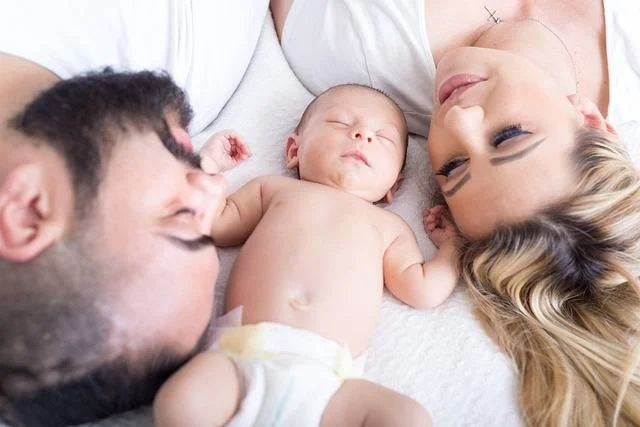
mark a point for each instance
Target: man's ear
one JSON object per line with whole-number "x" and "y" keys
{"x": 592, "y": 117}
{"x": 292, "y": 151}
{"x": 29, "y": 223}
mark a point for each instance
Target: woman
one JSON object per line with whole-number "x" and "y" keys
{"x": 544, "y": 194}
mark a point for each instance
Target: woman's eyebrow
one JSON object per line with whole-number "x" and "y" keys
{"x": 466, "y": 177}
{"x": 505, "y": 159}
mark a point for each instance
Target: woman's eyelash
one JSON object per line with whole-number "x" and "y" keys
{"x": 446, "y": 169}
{"x": 507, "y": 133}
{"x": 503, "y": 135}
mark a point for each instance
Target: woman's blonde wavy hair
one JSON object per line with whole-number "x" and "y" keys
{"x": 559, "y": 294}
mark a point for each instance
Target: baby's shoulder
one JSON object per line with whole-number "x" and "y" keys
{"x": 389, "y": 216}
{"x": 392, "y": 223}
{"x": 276, "y": 182}
{"x": 272, "y": 185}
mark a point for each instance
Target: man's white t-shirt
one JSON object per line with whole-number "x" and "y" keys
{"x": 206, "y": 45}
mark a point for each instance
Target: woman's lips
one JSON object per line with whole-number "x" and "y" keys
{"x": 457, "y": 84}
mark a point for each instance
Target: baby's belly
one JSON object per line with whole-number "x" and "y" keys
{"x": 327, "y": 291}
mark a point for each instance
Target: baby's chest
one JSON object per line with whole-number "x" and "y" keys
{"x": 345, "y": 216}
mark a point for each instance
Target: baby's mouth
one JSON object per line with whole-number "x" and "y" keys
{"x": 357, "y": 155}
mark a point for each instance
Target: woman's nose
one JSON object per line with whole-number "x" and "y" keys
{"x": 466, "y": 123}
{"x": 209, "y": 193}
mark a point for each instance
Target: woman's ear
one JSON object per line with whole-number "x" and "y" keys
{"x": 292, "y": 151}
{"x": 591, "y": 115}
{"x": 30, "y": 221}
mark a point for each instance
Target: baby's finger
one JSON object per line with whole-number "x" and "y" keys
{"x": 437, "y": 210}
{"x": 244, "y": 149}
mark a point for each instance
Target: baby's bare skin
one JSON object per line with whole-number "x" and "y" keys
{"x": 317, "y": 253}
{"x": 315, "y": 261}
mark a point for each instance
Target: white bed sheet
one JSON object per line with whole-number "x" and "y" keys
{"x": 440, "y": 357}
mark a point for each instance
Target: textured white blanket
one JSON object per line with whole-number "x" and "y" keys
{"x": 440, "y": 357}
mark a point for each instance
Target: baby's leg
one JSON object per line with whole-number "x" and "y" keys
{"x": 205, "y": 391}
{"x": 363, "y": 403}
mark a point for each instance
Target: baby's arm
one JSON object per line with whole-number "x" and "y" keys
{"x": 239, "y": 215}
{"x": 241, "y": 212}
{"x": 204, "y": 392}
{"x": 411, "y": 279}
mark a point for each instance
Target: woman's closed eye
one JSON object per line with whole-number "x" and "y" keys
{"x": 448, "y": 168}
{"x": 509, "y": 133}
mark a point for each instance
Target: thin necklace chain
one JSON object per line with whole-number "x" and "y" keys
{"x": 496, "y": 20}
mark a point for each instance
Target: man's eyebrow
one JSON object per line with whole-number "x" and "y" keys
{"x": 181, "y": 153}
{"x": 505, "y": 159}
{"x": 195, "y": 245}
{"x": 466, "y": 177}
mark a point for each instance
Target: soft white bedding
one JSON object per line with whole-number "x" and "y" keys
{"x": 440, "y": 357}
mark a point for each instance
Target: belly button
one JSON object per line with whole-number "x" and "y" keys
{"x": 299, "y": 303}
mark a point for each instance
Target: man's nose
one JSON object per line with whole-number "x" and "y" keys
{"x": 466, "y": 124}
{"x": 210, "y": 191}
{"x": 362, "y": 134}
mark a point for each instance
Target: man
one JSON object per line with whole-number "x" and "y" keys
{"x": 106, "y": 266}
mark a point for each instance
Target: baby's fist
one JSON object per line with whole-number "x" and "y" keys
{"x": 438, "y": 227}
{"x": 223, "y": 151}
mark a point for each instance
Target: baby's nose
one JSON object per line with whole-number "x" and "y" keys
{"x": 362, "y": 135}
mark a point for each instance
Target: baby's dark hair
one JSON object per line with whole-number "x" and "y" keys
{"x": 313, "y": 104}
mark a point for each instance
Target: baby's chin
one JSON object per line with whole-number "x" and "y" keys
{"x": 359, "y": 186}
{"x": 352, "y": 181}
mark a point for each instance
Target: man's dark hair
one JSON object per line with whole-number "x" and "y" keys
{"x": 57, "y": 366}
{"x": 81, "y": 118}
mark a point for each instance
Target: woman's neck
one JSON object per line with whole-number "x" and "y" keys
{"x": 571, "y": 50}
{"x": 537, "y": 42}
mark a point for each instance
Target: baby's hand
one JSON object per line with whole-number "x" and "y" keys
{"x": 223, "y": 151}
{"x": 438, "y": 227}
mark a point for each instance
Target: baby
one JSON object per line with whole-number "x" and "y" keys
{"x": 309, "y": 279}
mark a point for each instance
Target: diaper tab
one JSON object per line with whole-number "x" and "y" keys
{"x": 267, "y": 340}
{"x": 246, "y": 341}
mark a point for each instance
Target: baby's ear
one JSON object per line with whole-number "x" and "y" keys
{"x": 292, "y": 151}
{"x": 590, "y": 113}
{"x": 388, "y": 198}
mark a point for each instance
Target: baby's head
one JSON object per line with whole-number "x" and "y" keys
{"x": 353, "y": 138}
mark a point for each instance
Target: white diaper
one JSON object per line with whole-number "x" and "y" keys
{"x": 288, "y": 374}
